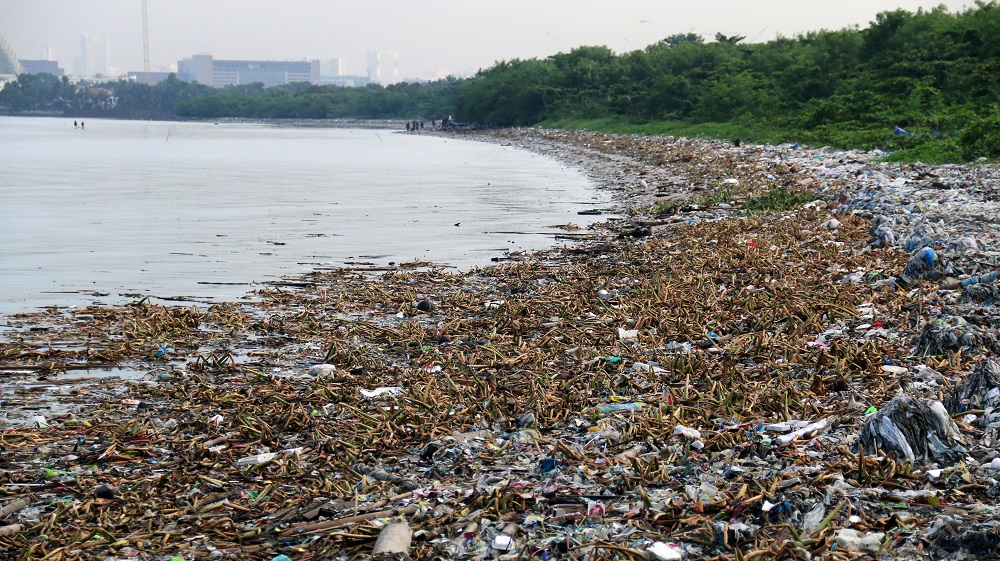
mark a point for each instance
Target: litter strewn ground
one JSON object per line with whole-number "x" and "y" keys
{"x": 691, "y": 380}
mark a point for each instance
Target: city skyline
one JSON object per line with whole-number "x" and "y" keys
{"x": 433, "y": 38}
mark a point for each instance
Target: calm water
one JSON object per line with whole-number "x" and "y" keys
{"x": 205, "y": 211}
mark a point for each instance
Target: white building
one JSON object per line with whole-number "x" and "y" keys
{"x": 383, "y": 67}
{"x": 218, "y": 73}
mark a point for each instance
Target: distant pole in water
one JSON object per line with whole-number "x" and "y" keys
{"x": 379, "y": 138}
{"x": 168, "y": 135}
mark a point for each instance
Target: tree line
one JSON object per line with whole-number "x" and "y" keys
{"x": 304, "y": 101}
{"x": 924, "y": 84}
{"x": 45, "y": 93}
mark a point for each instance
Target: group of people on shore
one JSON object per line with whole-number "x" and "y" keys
{"x": 419, "y": 125}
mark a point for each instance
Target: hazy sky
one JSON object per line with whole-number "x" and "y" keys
{"x": 458, "y": 35}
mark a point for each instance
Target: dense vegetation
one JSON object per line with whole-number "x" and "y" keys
{"x": 933, "y": 74}
{"x": 171, "y": 98}
{"x": 48, "y": 94}
{"x": 302, "y": 101}
{"x": 923, "y": 84}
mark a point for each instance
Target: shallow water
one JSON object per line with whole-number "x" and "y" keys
{"x": 165, "y": 209}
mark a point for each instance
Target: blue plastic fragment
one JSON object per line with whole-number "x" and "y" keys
{"x": 985, "y": 279}
{"x": 928, "y": 255}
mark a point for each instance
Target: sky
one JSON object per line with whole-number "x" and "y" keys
{"x": 430, "y": 36}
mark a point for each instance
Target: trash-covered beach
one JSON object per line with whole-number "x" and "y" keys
{"x": 700, "y": 377}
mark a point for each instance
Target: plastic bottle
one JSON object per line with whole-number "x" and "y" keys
{"x": 614, "y": 407}
{"x": 254, "y": 460}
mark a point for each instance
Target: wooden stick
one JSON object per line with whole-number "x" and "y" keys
{"x": 10, "y": 530}
{"x": 331, "y": 524}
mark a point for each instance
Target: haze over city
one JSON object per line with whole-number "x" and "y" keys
{"x": 433, "y": 38}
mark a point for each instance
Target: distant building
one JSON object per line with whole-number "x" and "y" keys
{"x": 219, "y": 73}
{"x": 42, "y": 67}
{"x": 151, "y": 78}
{"x": 9, "y": 65}
{"x": 95, "y": 57}
{"x": 335, "y": 66}
{"x": 345, "y": 81}
{"x": 383, "y": 67}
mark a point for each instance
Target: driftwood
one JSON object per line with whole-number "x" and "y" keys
{"x": 11, "y": 529}
{"x": 13, "y": 507}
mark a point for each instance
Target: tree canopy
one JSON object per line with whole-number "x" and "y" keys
{"x": 932, "y": 73}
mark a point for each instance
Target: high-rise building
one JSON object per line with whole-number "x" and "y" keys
{"x": 49, "y": 53}
{"x": 329, "y": 67}
{"x": 383, "y": 67}
{"x": 95, "y": 57}
{"x": 219, "y": 73}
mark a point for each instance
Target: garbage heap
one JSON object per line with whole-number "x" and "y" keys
{"x": 731, "y": 374}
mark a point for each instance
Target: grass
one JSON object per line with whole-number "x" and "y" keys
{"x": 935, "y": 152}
{"x": 779, "y": 199}
{"x": 775, "y": 199}
{"x": 923, "y": 148}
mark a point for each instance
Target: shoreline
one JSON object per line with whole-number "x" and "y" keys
{"x": 343, "y": 123}
{"x": 697, "y": 377}
{"x": 180, "y": 265}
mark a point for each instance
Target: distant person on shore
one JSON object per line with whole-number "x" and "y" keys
{"x": 75, "y": 126}
{"x": 407, "y": 126}
{"x": 81, "y": 124}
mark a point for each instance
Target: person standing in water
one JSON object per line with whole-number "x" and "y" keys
{"x": 75, "y": 126}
